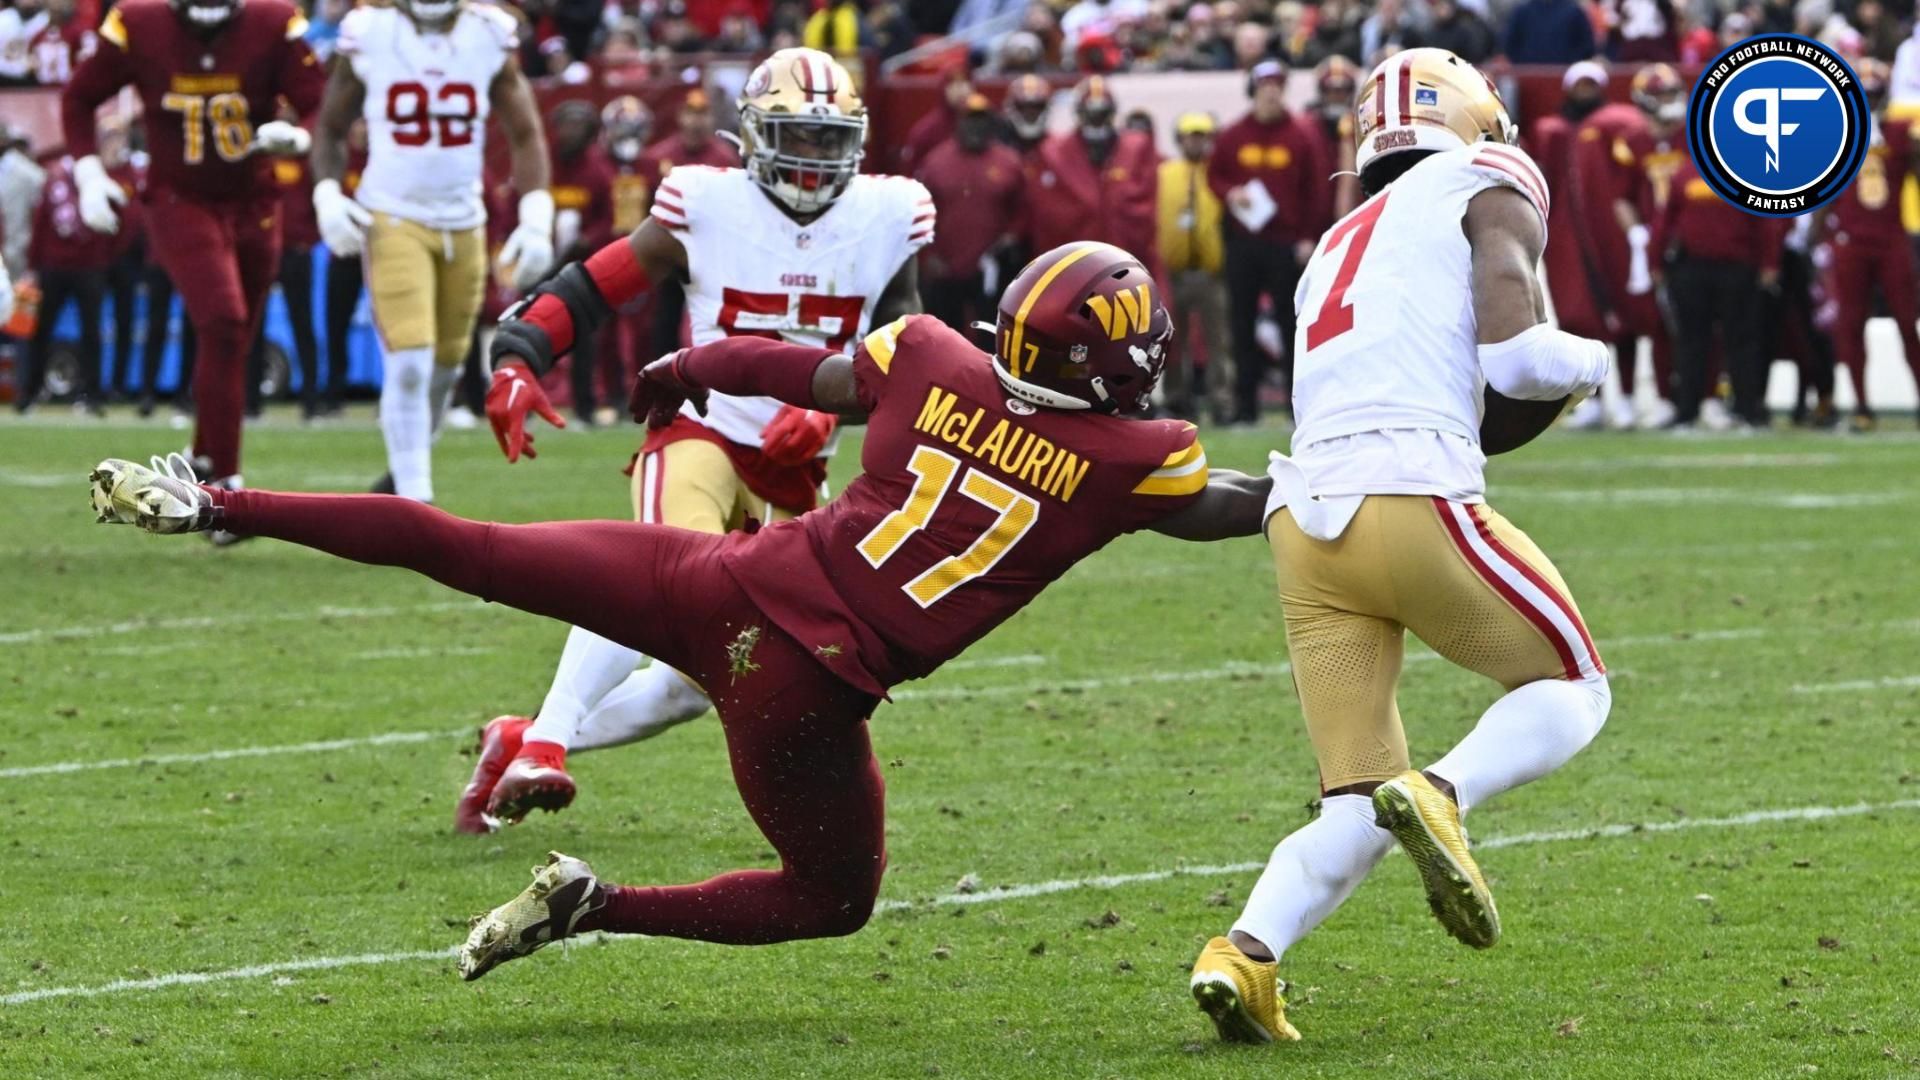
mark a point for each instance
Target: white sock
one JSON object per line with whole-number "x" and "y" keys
{"x": 439, "y": 390}
{"x": 652, "y": 700}
{"x": 406, "y": 422}
{"x": 1527, "y": 734}
{"x": 1313, "y": 871}
{"x": 590, "y": 666}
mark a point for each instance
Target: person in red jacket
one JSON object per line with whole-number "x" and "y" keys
{"x": 1269, "y": 175}
{"x": 1095, "y": 182}
{"x": 582, "y": 187}
{"x": 1577, "y": 296}
{"x": 299, "y": 235}
{"x": 980, "y": 193}
{"x": 1330, "y": 124}
{"x": 1611, "y": 232}
{"x": 1719, "y": 263}
{"x": 210, "y": 75}
{"x": 1870, "y": 248}
{"x": 70, "y": 262}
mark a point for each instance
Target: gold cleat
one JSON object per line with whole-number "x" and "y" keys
{"x": 1427, "y": 825}
{"x": 564, "y": 890}
{"x": 1241, "y": 994}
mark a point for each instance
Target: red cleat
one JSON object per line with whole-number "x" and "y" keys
{"x": 499, "y": 744}
{"x": 535, "y": 780}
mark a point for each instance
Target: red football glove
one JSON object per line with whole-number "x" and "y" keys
{"x": 795, "y": 435}
{"x": 661, "y": 389}
{"x": 515, "y": 393}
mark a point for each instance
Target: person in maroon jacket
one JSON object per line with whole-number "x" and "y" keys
{"x": 1095, "y": 182}
{"x": 70, "y": 262}
{"x": 1576, "y": 292}
{"x": 1330, "y": 124}
{"x": 299, "y": 235}
{"x": 938, "y": 125}
{"x": 1267, "y": 171}
{"x": 1870, "y": 248}
{"x": 979, "y": 192}
{"x": 210, "y": 75}
{"x": 1720, "y": 263}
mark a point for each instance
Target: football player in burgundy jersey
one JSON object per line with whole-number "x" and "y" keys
{"x": 985, "y": 478}
{"x": 209, "y": 74}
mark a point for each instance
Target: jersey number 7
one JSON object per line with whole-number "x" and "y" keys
{"x": 934, "y": 473}
{"x": 1336, "y": 315}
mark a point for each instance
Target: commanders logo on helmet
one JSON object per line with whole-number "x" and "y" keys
{"x": 1660, "y": 93}
{"x": 803, "y": 129}
{"x": 1426, "y": 99}
{"x": 1082, "y": 328}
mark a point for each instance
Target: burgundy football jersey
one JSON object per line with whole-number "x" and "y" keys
{"x": 968, "y": 505}
{"x": 201, "y": 96}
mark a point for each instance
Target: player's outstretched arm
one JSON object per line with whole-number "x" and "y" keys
{"x": 1531, "y": 368}
{"x": 1232, "y": 504}
{"x": 804, "y": 376}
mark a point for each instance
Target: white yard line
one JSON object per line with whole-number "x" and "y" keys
{"x": 970, "y": 663}
{"x": 423, "y": 652}
{"x": 984, "y": 896}
{"x": 391, "y": 738}
{"x": 1885, "y": 682}
{"x": 1671, "y": 496}
{"x": 238, "y": 618}
{"x": 1230, "y": 671}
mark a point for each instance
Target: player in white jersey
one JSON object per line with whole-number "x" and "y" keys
{"x": 1422, "y": 344}
{"x": 796, "y": 245}
{"x": 426, "y": 75}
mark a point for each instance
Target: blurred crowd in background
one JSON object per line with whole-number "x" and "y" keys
{"x": 1227, "y": 218}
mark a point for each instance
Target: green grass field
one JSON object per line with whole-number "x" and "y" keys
{"x": 226, "y": 781}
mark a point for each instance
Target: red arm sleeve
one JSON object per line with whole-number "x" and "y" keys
{"x": 98, "y": 78}
{"x": 755, "y": 367}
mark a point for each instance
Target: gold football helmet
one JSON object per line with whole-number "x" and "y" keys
{"x": 1426, "y": 99}
{"x": 803, "y": 128}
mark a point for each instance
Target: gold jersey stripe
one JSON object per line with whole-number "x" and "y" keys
{"x": 880, "y": 344}
{"x": 114, "y": 29}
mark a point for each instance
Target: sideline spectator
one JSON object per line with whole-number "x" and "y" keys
{"x": 1460, "y": 30}
{"x": 1098, "y": 18}
{"x": 1191, "y": 247}
{"x": 1095, "y": 182}
{"x": 70, "y": 263}
{"x": 937, "y": 126}
{"x": 59, "y": 45}
{"x": 18, "y": 25}
{"x": 1268, "y": 175}
{"x": 20, "y": 183}
{"x": 979, "y": 192}
{"x": 1389, "y": 29}
{"x": 1549, "y": 32}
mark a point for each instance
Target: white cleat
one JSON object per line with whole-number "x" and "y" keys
{"x": 563, "y": 891}
{"x": 1659, "y": 416}
{"x": 1620, "y": 413}
{"x": 163, "y": 498}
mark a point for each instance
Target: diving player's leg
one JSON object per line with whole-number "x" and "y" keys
{"x": 1489, "y": 601}
{"x": 797, "y": 739}
{"x": 403, "y": 282}
{"x": 1346, "y": 666}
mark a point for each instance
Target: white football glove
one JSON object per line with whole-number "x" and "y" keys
{"x": 281, "y": 139}
{"x": 99, "y": 194}
{"x": 1639, "y": 278}
{"x": 528, "y": 253}
{"x": 343, "y": 222}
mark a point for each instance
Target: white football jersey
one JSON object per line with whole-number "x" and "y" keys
{"x": 1386, "y": 340}
{"x": 426, "y": 109}
{"x": 753, "y": 269}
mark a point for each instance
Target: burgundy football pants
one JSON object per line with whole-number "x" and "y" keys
{"x": 1857, "y": 267}
{"x": 796, "y": 734}
{"x": 223, "y": 258}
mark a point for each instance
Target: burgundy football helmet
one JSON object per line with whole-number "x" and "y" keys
{"x": 1082, "y": 327}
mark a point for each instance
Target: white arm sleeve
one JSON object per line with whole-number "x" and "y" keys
{"x": 1542, "y": 364}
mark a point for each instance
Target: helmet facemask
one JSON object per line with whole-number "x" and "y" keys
{"x": 206, "y": 16}
{"x": 803, "y": 161}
